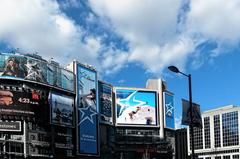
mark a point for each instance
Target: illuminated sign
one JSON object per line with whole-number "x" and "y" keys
{"x": 105, "y": 102}
{"x": 169, "y": 110}
{"x": 61, "y": 109}
{"x": 136, "y": 107}
{"x": 27, "y": 68}
{"x": 87, "y": 105}
{"x": 10, "y": 126}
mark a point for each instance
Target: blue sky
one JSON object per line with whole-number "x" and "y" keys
{"x": 129, "y": 42}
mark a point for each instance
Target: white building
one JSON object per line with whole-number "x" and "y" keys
{"x": 219, "y": 137}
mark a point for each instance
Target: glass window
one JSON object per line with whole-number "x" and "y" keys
{"x": 217, "y": 138}
{"x": 230, "y": 128}
{"x": 235, "y": 156}
{"x": 198, "y": 138}
{"x": 207, "y": 132}
{"x": 226, "y": 157}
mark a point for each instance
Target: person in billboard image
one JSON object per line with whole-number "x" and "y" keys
{"x": 6, "y": 98}
{"x": 89, "y": 99}
{"x": 34, "y": 72}
{"x": 12, "y": 68}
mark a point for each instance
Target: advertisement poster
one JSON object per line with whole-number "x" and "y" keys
{"x": 87, "y": 111}
{"x": 28, "y": 68}
{"x": 25, "y": 101}
{"x": 105, "y": 102}
{"x": 136, "y": 107}
{"x": 61, "y": 109}
{"x": 169, "y": 110}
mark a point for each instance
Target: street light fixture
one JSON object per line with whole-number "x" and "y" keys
{"x": 176, "y": 70}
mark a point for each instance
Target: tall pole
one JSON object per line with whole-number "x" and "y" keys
{"x": 191, "y": 113}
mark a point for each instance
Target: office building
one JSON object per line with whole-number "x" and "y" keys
{"x": 219, "y": 136}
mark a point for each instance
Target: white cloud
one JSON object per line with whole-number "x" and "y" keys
{"x": 150, "y": 28}
{"x": 155, "y": 37}
{"x": 215, "y": 19}
{"x": 40, "y": 26}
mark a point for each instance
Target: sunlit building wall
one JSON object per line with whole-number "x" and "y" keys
{"x": 219, "y": 136}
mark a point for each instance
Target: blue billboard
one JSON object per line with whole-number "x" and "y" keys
{"x": 87, "y": 117}
{"x": 136, "y": 107}
{"x": 169, "y": 110}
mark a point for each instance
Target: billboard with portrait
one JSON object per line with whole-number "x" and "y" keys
{"x": 169, "y": 110}
{"x": 61, "y": 109}
{"x": 136, "y": 107}
{"x": 105, "y": 102}
{"x": 87, "y": 106}
{"x": 17, "y": 66}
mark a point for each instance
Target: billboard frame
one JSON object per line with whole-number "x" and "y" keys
{"x": 50, "y": 112}
{"x": 137, "y": 125}
{"x": 164, "y": 111}
{"x": 112, "y": 106}
{"x": 33, "y": 81}
{"x": 13, "y": 131}
{"x": 75, "y": 70}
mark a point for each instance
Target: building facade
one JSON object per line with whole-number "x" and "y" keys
{"x": 47, "y": 111}
{"x": 219, "y": 136}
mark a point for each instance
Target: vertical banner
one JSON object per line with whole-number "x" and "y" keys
{"x": 186, "y": 111}
{"x": 169, "y": 110}
{"x": 87, "y": 126}
{"x": 105, "y": 102}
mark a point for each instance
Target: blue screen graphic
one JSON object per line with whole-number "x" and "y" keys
{"x": 169, "y": 111}
{"x": 87, "y": 111}
{"x": 136, "y": 107}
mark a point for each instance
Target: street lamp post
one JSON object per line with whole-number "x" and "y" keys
{"x": 176, "y": 70}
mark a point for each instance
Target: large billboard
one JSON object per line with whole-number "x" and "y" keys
{"x": 169, "y": 110}
{"x": 87, "y": 105}
{"x": 61, "y": 109}
{"x": 16, "y": 66}
{"x": 22, "y": 100}
{"x": 105, "y": 102}
{"x": 136, "y": 107}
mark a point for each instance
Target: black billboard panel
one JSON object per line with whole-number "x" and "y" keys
{"x": 61, "y": 109}
{"x": 105, "y": 102}
{"x": 22, "y": 67}
{"x": 24, "y": 100}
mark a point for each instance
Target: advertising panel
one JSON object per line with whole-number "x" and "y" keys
{"x": 136, "y": 107}
{"x": 105, "y": 102}
{"x": 169, "y": 110}
{"x": 10, "y": 126}
{"x": 61, "y": 109}
{"x": 87, "y": 106}
{"x": 27, "y": 68}
{"x": 16, "y": 102}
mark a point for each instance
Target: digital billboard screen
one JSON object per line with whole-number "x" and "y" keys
{"x": 87, "y": 105}
{"x": 105, "y": 102}
{"x": 169, "y": 110}
{"x": 61, "y": 109}
{"x": 27, "y": 68}
{"x": 136, "y": 107}
{"x": 24, "y": 101}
